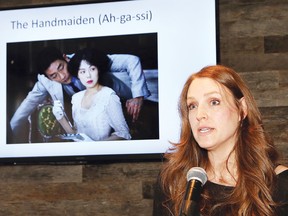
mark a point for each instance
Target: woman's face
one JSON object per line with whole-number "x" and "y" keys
{"x": 88, "y": 74}
{"x": 213, "y": 115}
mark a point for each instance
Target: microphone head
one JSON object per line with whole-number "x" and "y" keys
{"x": 197, "y": 173}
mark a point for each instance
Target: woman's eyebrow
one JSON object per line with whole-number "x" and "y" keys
{"x": 206, "y": 94}
{"x": 212, "y": 93}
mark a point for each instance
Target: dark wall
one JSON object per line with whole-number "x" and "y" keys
{"x": 253, "y": 41}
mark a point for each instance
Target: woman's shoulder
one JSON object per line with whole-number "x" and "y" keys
{"x": 282, "y": 178}
{"x": 105, "y": 95}
{"x": 281, "y": 170}
{"x": 77, "y": 96}
{"x": 280, "y": 194}
{"x": 107, "y": 91}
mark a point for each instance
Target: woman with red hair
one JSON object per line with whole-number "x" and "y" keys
{"x": 222, "y": 132}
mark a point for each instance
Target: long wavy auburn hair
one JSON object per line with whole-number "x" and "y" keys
{"x": 256, "y": 155}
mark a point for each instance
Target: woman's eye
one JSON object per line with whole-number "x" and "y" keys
{"x": 215, "y": 102}
{"x": 93, "y": 68}
{"x": 191, "y": 106}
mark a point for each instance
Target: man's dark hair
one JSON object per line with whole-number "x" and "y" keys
{"x": 46, "y": 57}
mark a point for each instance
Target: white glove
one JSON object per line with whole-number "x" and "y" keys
{"x": 58, "y": 110}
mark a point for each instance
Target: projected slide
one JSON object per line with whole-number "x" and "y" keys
{"x": 150, "y": 46}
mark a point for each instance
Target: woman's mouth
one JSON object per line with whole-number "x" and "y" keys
{"x": 89, "y": 81}
{"x": 205, "y": 129}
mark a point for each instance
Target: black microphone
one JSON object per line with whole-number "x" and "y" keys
{"x": 196, "y": 178}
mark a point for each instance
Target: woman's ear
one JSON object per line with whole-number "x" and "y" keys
{"x": 243, "y": 105}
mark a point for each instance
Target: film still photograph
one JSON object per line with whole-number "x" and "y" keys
{"x": 83, "y": 89}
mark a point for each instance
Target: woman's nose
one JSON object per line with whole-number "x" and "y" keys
{"x": 201, "y": 113}
{"x": 88, "y": 74}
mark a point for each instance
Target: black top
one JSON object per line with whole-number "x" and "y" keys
{"x": 280, "y": 196}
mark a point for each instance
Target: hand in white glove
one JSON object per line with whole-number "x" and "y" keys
{"x": 58, "y": 110}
